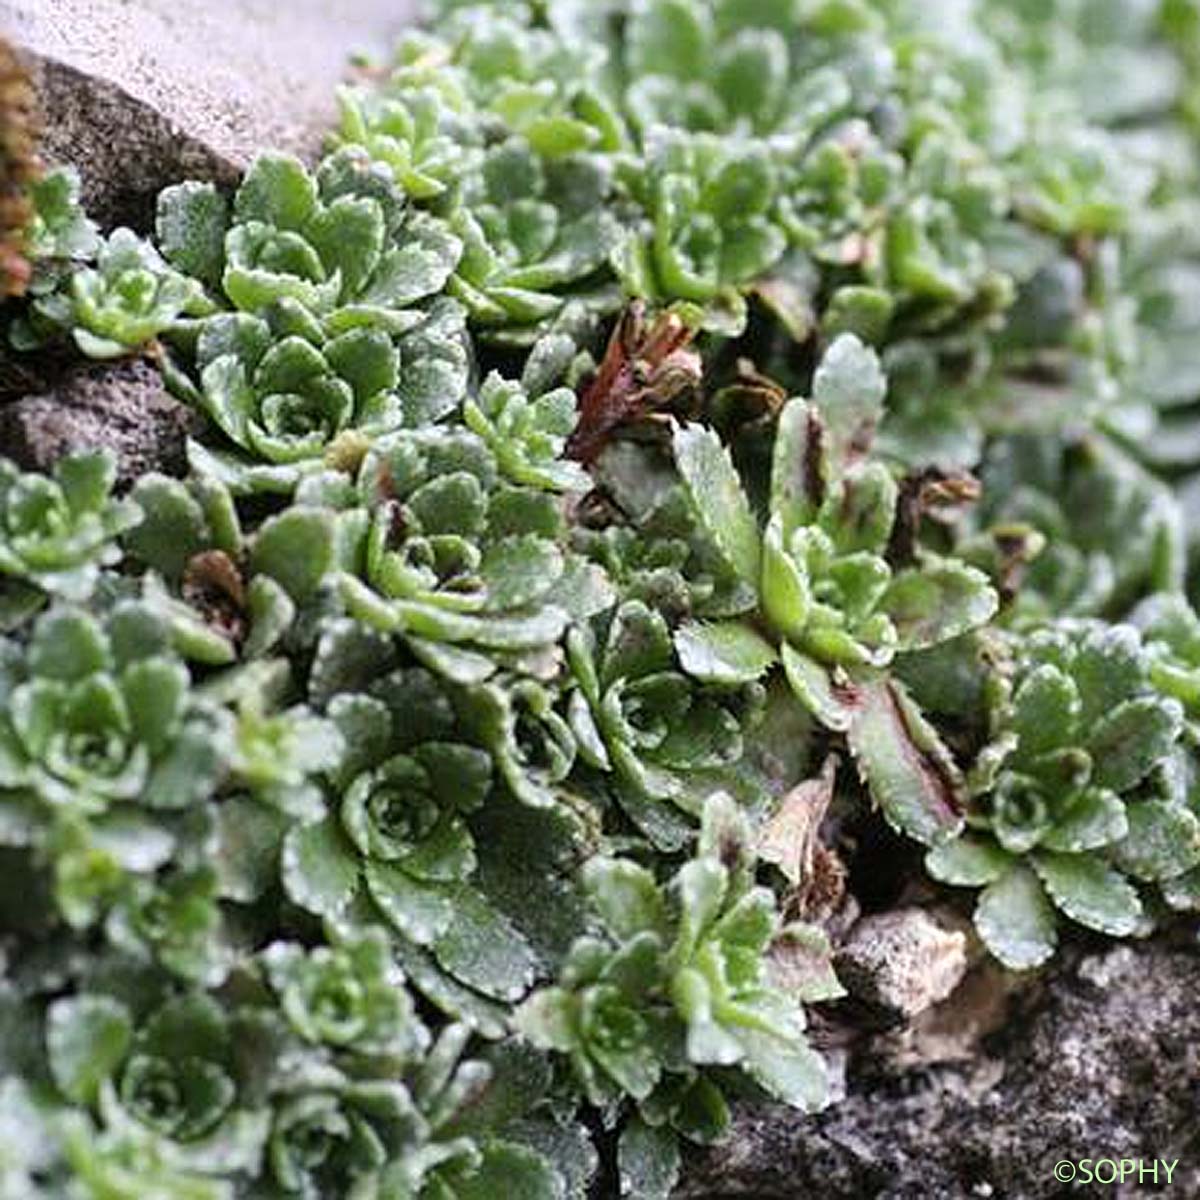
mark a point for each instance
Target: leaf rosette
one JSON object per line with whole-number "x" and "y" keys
{"x": 168, "y": 1083}
{"x": 639, "y": 716}
{"x": 338, "y": 245}
{"x": 57, "y": 532}
{"x": 1077, "y": 804}
{"x": 459, "y": 566}
{"x": 129, "y": 298}
{"x": 534, "y": 234}
{"x": 103, "y": 745}
{"x": 349, "y": 996}
{"x": 832, "y": 608}
{"x": 710, "y": 230}
{"x": 678, "y": 981}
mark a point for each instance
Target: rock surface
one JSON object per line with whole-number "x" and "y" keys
{"x": 1102, "y": 1061}
{"x": 900, "y": 963}
{"x": 122, "y": 406}
{"x": 142, "y": 93}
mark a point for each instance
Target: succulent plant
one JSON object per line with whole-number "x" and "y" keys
{"x": 59, "y": 532}
{"x": 443, "y": 567}
{"x": 527, "y": 435}
{"x": 348, "y": 996}
{"x": 710, "y": 229}
{"x": 835, "y": 611}
{"x": 678, "y": 980}
{"x": 1076, "y": 804}
{"x": 643, "y": 408}
{"x": 118, "y": 305}
{"x": 412, "y": 129}
{"x": 1108, "y": 531}
{"x": 535, "y": 233}
{"x": 637, "y": 714}
{"x": 171, "y": 1077}
{"x": 104, "y": 747}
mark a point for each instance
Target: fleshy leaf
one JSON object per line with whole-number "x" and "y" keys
{"x": 1090, "y": 892}
{"x": 720, "y": 503}
{"x": 849, "y": 388}
{"x": 1016, "y": 921}
{"x": 648, "y": 1160}
{"x": 1163, "y": 841}
{"x": 87, "y": 1038}
{"x": 938, "y": 602}
{"x": 910, "y": 772}
{"x": 967, "y": 861}
{"x": 319, "y": 872}
{"x": 727, "y": 652}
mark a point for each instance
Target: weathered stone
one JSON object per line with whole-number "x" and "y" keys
{"x": 1102, "y": 1060}
{"x": 899, "y": 963}
{"x": 141, "y": 93}
{"x": 121, "y": 406}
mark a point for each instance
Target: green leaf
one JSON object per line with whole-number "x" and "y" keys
{"x": 86, "y": 480}
{"x": 190, "y": 229}
{"x": 421, "y": 911}
{"x": 1090, "y": 892}
{"x": 752, "y": 73}
{"x": 790, "y": 1070}
{"x": 508, "y": 1169}
{"x": 723, "y": 652}
{"x": 518, "y": 571}
{"x": 1107, "y": 669}
{"x": 668, "y": 37}
{"x": 717, "y": 496}
{"x": 1046, "y": 707}
{"x": 1130, "y": 740}
{"x": 271, "y": 614}
{"x": 367, "y": 360}
{"x": 87, "y": 1038}
{"x": 798, "y": 468}
{"x": 484, "y": 950}
{"x": 68, "y": 644}
{"x": 348, "y": 235}
{"x": 911, "y": 774}
{"x": 1090, "y": 819}
{"x": 1163, "y": 841}
{"x": 174, "y": 526}
{"x": 937, "y": 602}
{"x": 625, "y": 895}
{"x": 968, "y": 861}
{"x": 155, "y": 692}
{"x": 278, "y": 191}
{"x": 297, "y": 549}
{"x": 785, "y": 585}
{"x": 249, "y": 835}
{"x": 1016, "y": 921}
{"x": 848, "y": 389}
{"x": 319, "y": 870}
{"x": 415, "y": 269}
{"x": 648, "y": 1160}
{"x": 814, "y": 686}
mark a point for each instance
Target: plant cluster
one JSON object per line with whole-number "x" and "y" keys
{"x": 643, "y": 409}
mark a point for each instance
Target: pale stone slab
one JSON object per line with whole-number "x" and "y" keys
{"x": 141, "y": 93}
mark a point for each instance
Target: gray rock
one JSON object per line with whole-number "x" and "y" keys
{"x": 1102, "y": 1060}
{"x": 141, "y": 93}
{"x": 900, "y": 963}
{"x": 121, "y": 406}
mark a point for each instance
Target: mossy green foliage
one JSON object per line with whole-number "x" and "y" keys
{"x": 380, "y": 802}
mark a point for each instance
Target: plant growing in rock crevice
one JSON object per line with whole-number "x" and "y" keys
{"x": 830, "y": 606}
{"x": 641, "y": 409}
{"x": 1081, "y": 795}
